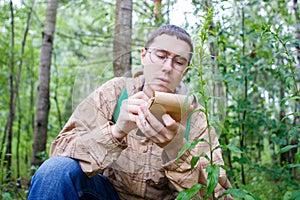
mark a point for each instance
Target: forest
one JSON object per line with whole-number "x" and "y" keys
{"x": 245, "y": 72}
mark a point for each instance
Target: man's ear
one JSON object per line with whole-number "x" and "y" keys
{"x": 143, "y": 54}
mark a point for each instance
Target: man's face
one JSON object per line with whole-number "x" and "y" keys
{"x": 164, "y": 63}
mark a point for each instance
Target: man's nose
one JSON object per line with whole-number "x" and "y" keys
{"x": 168, "y": 63}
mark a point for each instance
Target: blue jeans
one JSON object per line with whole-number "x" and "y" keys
{"x": 62, "y": 178}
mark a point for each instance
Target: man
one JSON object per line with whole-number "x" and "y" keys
{"x": 131, "y": 156}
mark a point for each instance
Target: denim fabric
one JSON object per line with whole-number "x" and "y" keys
{"x": 62, "y": 178}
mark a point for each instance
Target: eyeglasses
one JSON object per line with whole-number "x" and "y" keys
{"x": 160, "y": 56}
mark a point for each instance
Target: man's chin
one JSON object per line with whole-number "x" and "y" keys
{"x": 160, "y": 88}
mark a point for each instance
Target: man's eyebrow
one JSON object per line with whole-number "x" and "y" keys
{"x": 162, "y": 49}
{"x": 172, "y": 53}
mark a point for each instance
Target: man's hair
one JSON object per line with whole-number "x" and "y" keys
{"x": 171, "y": 30}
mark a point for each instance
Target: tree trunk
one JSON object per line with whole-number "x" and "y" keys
{"x": 43, "y": 101}
{"x": 14, "y": 87}
{"x": 283, "y": 156}
{"x": 122, "y": 38}
{"x": 9, "y": 125}
{"x": 59, "y": 117}
{"x": 157, "y": 11}
{"x": 18, "y": 160}
{"x": 244, "y": 114}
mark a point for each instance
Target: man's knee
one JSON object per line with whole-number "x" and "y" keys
{"x": 59, "y": 167}
{"x": 55, "y": 178}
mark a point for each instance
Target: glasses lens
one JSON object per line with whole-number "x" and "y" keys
{"x": 179, "y": 62}
{"x": 158, "y": 56}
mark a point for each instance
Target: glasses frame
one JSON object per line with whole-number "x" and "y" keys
{"x": 150, "y": 50}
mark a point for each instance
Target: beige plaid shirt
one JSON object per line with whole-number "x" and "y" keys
{"x": 136, "y": 166}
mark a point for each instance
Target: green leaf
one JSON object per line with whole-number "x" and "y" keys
{"x": 185, "y": 147}
{"x": 194, "y": 161}
{"x": 6, "y": 195}
{"x": 205, "y": 156}
{"x": 293, "y": 132}
{"x": 295, "y": 195}
{"x": 237, "y": 193}
{"x": 293, "y": 165}
{"x": 217, "y": 147}
{"x": 188, "y": 194}
{"x": 204, "y": 82}
{"x": 213, "y": 174}
{"x": 234, "y": 148}
{"x": 287, "y": 195}
{"x": 249, "y": 197}
{"x": 286, "y": 148}
{"x": 189, "y": 145}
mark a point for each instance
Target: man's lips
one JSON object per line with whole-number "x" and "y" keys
{"x": 161, "y": 84}
{"x": 163, "y": 80}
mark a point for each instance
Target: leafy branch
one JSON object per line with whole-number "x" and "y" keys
{"x": 213, "y": 170}
{"x": 289, "y": 56}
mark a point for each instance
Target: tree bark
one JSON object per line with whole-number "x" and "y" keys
{"x": 43, "y": 101}
{"x": 122, "y": 38}
{"x": 9, "y": 125}
{"x": 157, "y": 11}
{"x": 244, "y": 114}
{"x": 14, "y": 87}
{"x": 18, "y": 160}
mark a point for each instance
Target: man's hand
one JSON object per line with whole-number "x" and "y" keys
{"x": 129, "y": 114}
{"x": 161, "y": 133}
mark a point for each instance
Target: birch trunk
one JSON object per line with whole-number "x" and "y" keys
{"x": 122, "y": 38}
{"x": 43, "y": 102}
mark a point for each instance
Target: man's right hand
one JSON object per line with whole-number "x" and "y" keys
{"x": 129, "y": 114}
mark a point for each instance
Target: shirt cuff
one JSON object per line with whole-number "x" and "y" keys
{"x": 121, "y": 144}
